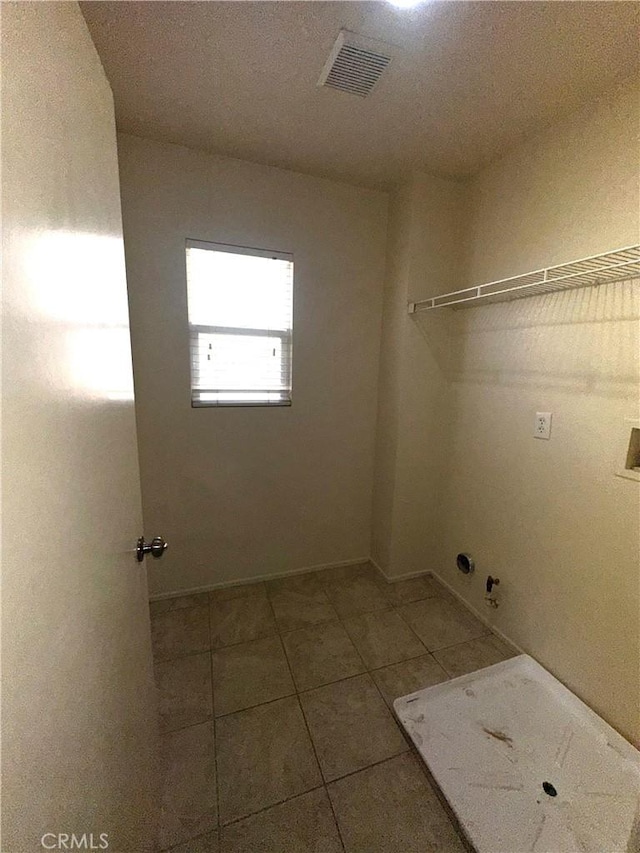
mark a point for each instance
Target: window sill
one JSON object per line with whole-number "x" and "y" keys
{"x": 196, "y": 404}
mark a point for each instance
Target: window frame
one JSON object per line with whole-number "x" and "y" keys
{"x": 286, "y": 336}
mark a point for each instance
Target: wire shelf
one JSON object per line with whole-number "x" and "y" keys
{"x": 617, "y": 265}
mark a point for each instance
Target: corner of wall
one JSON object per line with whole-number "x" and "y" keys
{"x": 394, "y": 302}
{"x": 427, "y": 221}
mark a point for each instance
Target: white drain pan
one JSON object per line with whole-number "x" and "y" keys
{"x": 494, "y": 740}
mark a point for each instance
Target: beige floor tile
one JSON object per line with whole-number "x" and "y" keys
{"x": 357, "y": 595}
{"x": 189, "y": 785}
{"x": 180, "y": 632}
{"x": 164, "y": 605}
{"x": 246, "y": 590}
{"x": 467, "y": 657}
{"x": 307, "y": 584}
{"x": 338, "y": 574}
{"x": 302, "y": 825}
{"x": 184, "y": 691}
{"x": 443, "y": 591}
{"x": 321, "y": 654}
{"x": 440, "y": 622}
{"x": 264, "y": 757}
{"x": 250, "y": 674}
{"x": 238, "y": 620}
{"x": 383, "y": 638}
{"x": 350, "y": 725}
{"x": 390, "y": 808}
{"x": 205, "y": 844}
{"x": 407, "y": 677}
{"x": 298, "y": 609}
{"x": 414, "y": 589}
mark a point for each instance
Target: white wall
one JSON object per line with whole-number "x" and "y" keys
{"x": 246, "y": 492}
{"x": 79, "y": 716}
{"x": 550, "y": 518}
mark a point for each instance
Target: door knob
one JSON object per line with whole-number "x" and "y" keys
{"x": 156, "y": 548}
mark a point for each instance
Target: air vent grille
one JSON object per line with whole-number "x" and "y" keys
{"x": 355, "y": 64}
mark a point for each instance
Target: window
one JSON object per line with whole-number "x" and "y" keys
{"x": 240, "y": 325}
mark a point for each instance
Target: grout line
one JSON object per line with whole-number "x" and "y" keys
{"x": 479, "y": 614}
{"x": 324, "y": 786}
{"x": 373, "y": 668}
{"x": 305, "y": 690}
{"x": 165, "y": 732}
{"x": 315, "y": 753}
{"x": 280, "y": 633}
{"x": 257, "y": 705}
{"x": 331, "y": 621}
{"x": 410, "y": 627}
{"x": 388, "y": 706}
{"x": 462, "y": 643}
{"x": 426, "y": 654}
{"x": 215, "y": 731}
{"x": 444, "y": 668}
{"x": 180, "y": 657}
{"x": 173, "y": 610}
{"x": 313, "y": 747}
{"x": 435, "y": 788}
{"x": 237, "y": 820}
{"x": 334, "y": 618}
{"x": 213, "y": 649}
{"x": 332, "y": 683}
{"x": 339, "y": 621}
{"x": 284, "y": 630}
{"x": 189, "y": 840}
{"x": 348, "y": 678}
{"x": 273, "y": 616}
{"x": 369, "y": 766}
{"x": 335, "y": 818}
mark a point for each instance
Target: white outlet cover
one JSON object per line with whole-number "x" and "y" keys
{"x": 542, "y": 426}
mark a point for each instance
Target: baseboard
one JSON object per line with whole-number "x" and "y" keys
{"x": 258, "y": 579}
{"x": 378, "y": 569}
{"x": 407, "y": 576}
{"x": 479, "y": 615}
{"x": 320, "y": 567}
{"x": 482, "y": 617}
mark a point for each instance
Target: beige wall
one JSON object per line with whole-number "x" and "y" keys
{"x": 568, "y": 193}
{"x": 426, "y": 222}
{"x": 246, "y": 492}
{"x": 458, "y": 468}
{"x": 550, "y": 518}
{"x": 391, "y": 361}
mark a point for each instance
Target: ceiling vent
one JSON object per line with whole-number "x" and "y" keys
{"x": 355, "y": 64}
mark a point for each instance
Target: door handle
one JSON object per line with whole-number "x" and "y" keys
{"x": 156, "y": 548}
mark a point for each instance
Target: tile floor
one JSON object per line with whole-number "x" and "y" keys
{"x": 275, "y": 710}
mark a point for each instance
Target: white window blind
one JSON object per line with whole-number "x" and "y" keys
{"x": 240, "y": 324}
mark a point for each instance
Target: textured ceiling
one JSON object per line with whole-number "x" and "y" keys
{"x": 470, "y": 79}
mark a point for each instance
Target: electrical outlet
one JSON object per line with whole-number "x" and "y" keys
{"x": 542, "y": 428}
